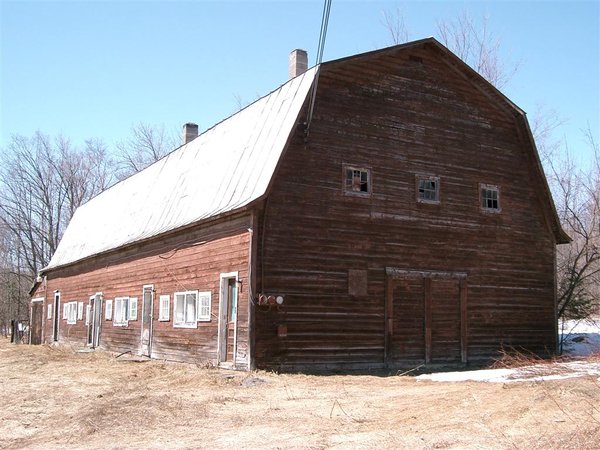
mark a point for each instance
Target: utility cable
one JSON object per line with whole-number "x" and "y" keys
{"x": 321, "y": 48}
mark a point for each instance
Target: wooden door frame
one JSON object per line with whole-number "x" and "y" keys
{"x": 56, "y": 316}
{"x": 36, "y": 300}
{"x": 222, "y": 321}
{"x": 393, "y": 277}
{"x": 152, "y": 291}
{"x": 98, "y": 297}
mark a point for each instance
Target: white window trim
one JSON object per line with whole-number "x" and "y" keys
{"x": 88, "y": 313}
{"x": 80, "y": 311}
{"x": 120, "y": 321}
{"x": 70, "y": 312}
{"x": 493, "y": 187}
{"x": 202, "y": 296}
{"x": 49, "y": 311}
{"x": 164, "y": 308}
{"x": 419, "y": 178}
{"x": 188, "y": 324}
{"x": 347, "y": 191}
{"x": 108, "y": 308}
{"x": 132, "y": 309}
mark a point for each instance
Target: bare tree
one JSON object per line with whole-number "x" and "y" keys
{"x": 146, "y": 145}
{"x": 394, "y": 22}
{"x": 577, "y": 196}
{"x": 42, "y": 182}
{"x": 471, "y": 40}
{"x": 476, "y": 45}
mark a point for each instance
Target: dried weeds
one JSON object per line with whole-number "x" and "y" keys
{"x": 55, "y": 397}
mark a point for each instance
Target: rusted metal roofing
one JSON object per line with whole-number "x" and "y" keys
{"x": 223, "y": 169}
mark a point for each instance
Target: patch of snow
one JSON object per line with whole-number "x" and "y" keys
{"x": 582, "y": 339}
{"x": 491, "y": 375}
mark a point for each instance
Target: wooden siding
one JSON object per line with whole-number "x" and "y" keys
{"x": 190, "y": 260}
{"x": 402, "y": 115}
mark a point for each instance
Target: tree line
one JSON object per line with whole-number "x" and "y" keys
{"x": 43, "y": 180}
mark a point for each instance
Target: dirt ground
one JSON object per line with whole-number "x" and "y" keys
{"x": 53, "y": 397}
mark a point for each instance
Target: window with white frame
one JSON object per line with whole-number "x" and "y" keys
{"x": 121, "y": 312}
{"x": 357, "y": 180}
{"x": 428, "y": 189}
{"x": 185, "y": 309}
{"x": 164, "y": 308}
{"x": 489, "y": 197}
{"x": 204, "y": 306}
{"x": 88, "y": 314}
{"x": 80, "y": 311}
{"x": 133, "y": 309}
{"x": 49, "y": 313}
{"x": 71, "y": 312}
{"x": 108, "y": 309}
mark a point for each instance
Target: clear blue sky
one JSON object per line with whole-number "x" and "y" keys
{"x": 93, "y": 69}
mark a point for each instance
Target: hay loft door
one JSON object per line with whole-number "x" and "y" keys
{"x": 228, "y": 304}
{"x": 147, "y": 308}
{"x": 426, "y": 317}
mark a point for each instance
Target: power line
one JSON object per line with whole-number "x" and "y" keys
{"x": 321, "y": 48}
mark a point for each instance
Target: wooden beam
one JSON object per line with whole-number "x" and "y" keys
{"x": 404, "y": 273}
{"x": 463, "y": 321}
{"x": 428, "y": 318}
{"x": 388, "y": 319}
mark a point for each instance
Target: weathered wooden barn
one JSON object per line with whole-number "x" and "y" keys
{"x": 380, "y": 210}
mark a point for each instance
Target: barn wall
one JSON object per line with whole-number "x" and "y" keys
{"x": 191, "y": 260}
{"x": 400, "y": 115}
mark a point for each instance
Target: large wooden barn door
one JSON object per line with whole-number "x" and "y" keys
{"x": 443, "y": 321}
{"x": 425, "y": 317}
{"x": 406, "y": 326}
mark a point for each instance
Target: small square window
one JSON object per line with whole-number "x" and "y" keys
{"x": 490, "y": 197}
{"x": 357, "y": 181}
{"x": 428, "y": 189}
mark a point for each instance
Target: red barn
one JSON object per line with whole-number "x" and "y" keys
{"x": 380, "y": 210}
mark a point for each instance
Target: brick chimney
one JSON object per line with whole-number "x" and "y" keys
{"x": 190, "y": 132}
{"x": 298, "y": 63}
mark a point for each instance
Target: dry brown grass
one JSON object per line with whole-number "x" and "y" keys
{"x": 56, "y": 398}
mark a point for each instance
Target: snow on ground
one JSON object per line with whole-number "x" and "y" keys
{"x": 581, "y": 339}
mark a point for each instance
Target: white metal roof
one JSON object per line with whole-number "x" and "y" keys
{"x": 223, "y": 169}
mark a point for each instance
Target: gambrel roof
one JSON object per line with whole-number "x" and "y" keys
{"x": 225, "y": 168}
{"x": 230, "y": 166}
